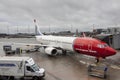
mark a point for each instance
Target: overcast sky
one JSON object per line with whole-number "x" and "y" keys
{"x": 58, "y": 14}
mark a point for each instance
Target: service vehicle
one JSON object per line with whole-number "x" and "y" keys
{"x": 20, "y": 67}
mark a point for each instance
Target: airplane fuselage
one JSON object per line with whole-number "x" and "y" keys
{"x": 83, "y": 45}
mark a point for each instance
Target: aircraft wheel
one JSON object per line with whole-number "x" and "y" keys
{"x": 64, "y": 52}
{"x": 35, "y": 78}
{"x": 27, "y": 51}
{"x": 11, "y": 78}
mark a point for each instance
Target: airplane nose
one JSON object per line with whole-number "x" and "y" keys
{"x": 111, "y": 51}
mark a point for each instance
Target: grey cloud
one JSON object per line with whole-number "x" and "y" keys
{"x": 82, "y": 14}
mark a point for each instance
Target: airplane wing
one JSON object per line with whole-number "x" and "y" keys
{"x": 31, "y": 44}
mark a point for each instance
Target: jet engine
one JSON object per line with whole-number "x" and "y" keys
{"x": 51, "y": 51}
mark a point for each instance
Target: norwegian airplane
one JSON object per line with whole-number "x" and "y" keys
{"x": 83, "y": 45}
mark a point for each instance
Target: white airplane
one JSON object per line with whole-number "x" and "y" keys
{"x": 84, "y": 45}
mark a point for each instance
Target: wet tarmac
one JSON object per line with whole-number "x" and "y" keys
{"x": 65, "y": 67}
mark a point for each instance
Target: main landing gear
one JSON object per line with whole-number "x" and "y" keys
{"x": 64, "y": 52}
{"x": 97, "y": 60}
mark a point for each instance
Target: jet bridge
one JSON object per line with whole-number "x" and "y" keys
{"x": 111, "y": 40}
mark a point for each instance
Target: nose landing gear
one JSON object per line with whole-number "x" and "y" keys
{"x": 99, "y": 59}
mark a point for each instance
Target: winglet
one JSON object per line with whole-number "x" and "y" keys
{"x": 37, "y": 31}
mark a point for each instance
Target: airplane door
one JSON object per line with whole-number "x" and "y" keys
{"x": 90, "y": 46}
{"x": 29, "y": 71}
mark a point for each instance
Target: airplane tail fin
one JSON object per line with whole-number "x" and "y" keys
{"x": 37, "y": 31}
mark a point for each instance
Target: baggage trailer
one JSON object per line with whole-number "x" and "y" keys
{"x": 98, "y": 70}
{"x": 20, "y": 67}
{"x": 31, "y": 48}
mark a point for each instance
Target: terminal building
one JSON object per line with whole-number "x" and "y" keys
{"x": 115, "y": 30}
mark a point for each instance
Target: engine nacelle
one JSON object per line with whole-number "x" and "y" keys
{"x": 51, "y": 51}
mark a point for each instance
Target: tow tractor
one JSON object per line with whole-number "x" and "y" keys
{"x": 8, "y": 49}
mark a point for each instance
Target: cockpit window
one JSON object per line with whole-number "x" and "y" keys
{"x": 106, "y": 45}
{"x": 102, "y": 45}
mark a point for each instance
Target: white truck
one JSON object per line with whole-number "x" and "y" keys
{"x": 20, "y": 67}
